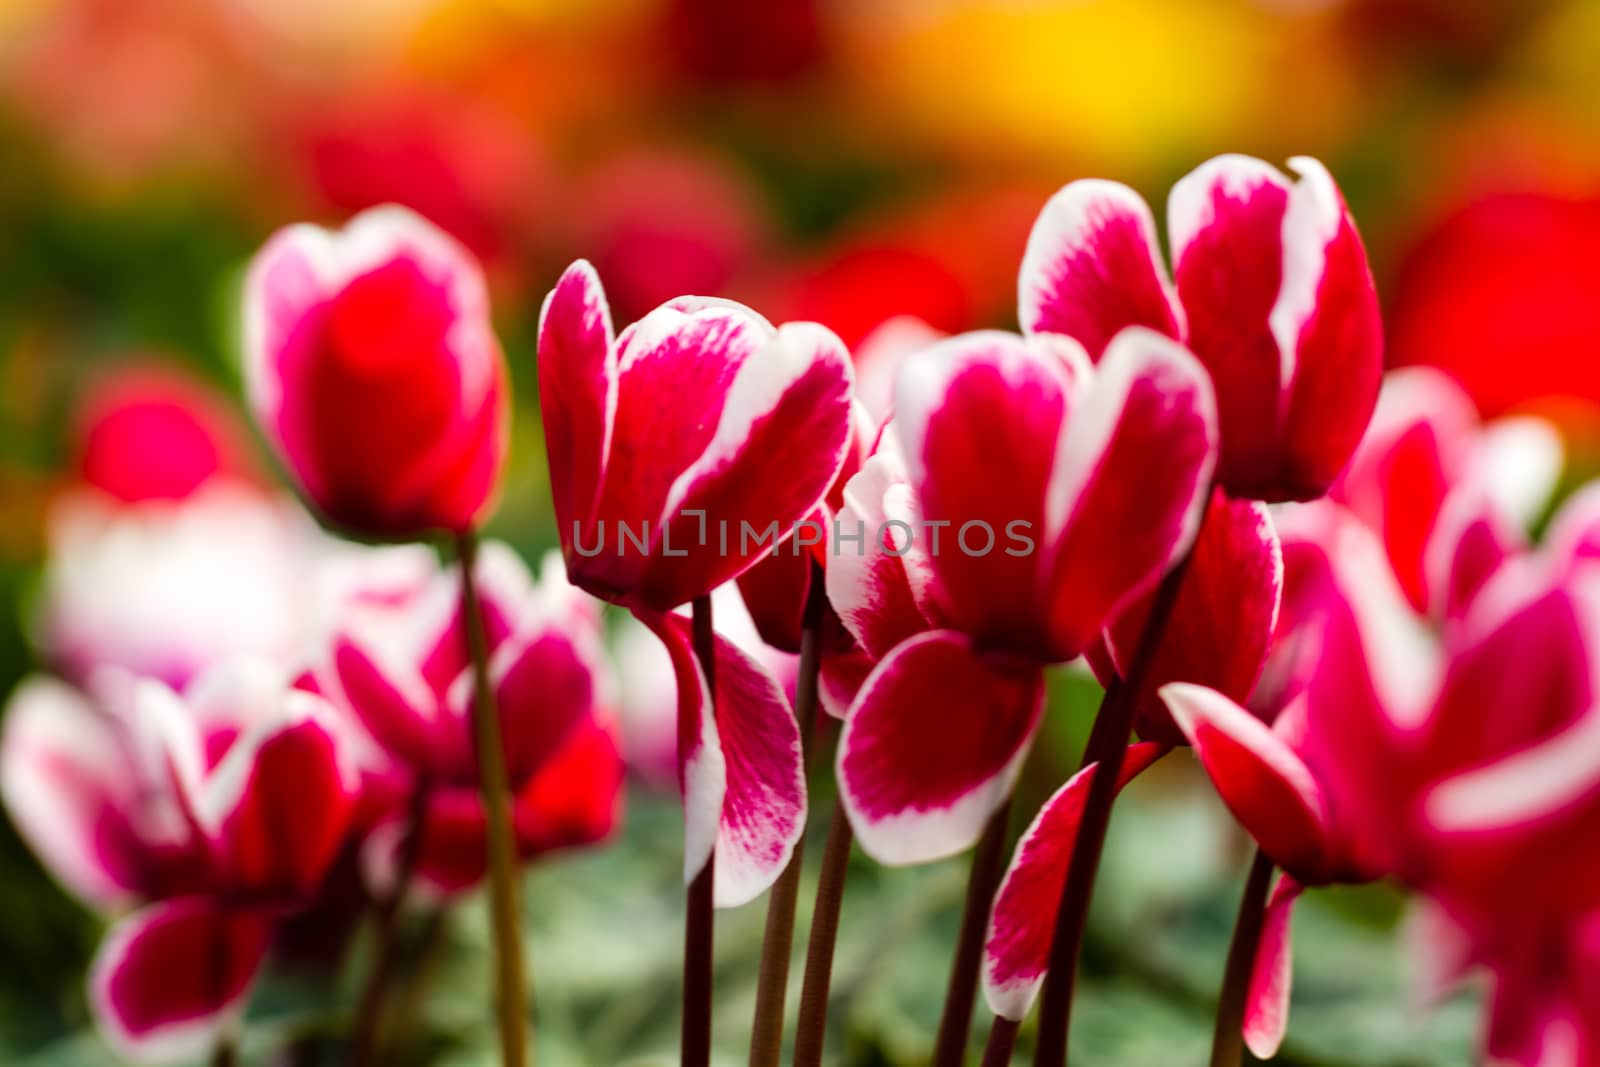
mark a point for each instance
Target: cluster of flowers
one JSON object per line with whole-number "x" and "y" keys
{"x": 1319, "y": 581}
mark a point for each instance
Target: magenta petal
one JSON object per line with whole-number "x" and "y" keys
{"x": 970, "y": 407}
{"x": 764, "y": 808}
{"x": 933, "y": 745}
{"x": 544, "y": 687}
{"x": 1092, "y": 268}
{"x": 1124, "y": 519}
{"x": 702, "y": 768}
{"x": 69, "y": 789}
{"x": 1266, "y": 1011}
{"x": 577, "y": 395}
{"x": 167, "y": 979}
{"x": 391, "y": 701}
{"x": 1220, "y": 630}
{"x": 1265, "y": 784}
{"x": 1022, "y": 925}
{"x": 694, "y": 358}
{"x": 1226, "y": 224}
{"x": 779, "y": 444}
{"x": 280, "y": 803}
{"x": 1327, "y": 326}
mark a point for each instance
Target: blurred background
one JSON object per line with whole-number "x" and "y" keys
{"x": 857, "y": 162}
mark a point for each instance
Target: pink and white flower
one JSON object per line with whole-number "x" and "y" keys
{"x": 219, "y": 812}
{"x": 1270, "y": 289}
{"x": 1012, "y": 508}
{"x": 404, "y": 673}
{"x": 375, "y": 374}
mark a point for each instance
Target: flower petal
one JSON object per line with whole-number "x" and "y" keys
{"x": 390, "y": 700}
{"x": 168, "y": 979}
{"x": 693, "y": 357}
{"x": 577, "y": 395}
{"x": 702, "y": 766}
{"x": 1223, "y": 621}
{"x": 280, "y": 801}
{"x": 933, "y": 745}
{"x": 576, "y": 796}
{"x": 779, "y": 444}
{"x": 1328, "y": 328}
{"x": 1091, "y": 268}
{"x": 1259, "y": 777}
{"x": 68, "y": 786}
{"x": 1123, "y": 518}
{"x": 1016, "y": 950}
{"x": 1266, "y": 1010}
{"x": 970, "y": 405}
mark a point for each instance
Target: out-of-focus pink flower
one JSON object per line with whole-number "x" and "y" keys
{"x": 1272, "y": 292}
{"x": 374, "y": 371}
{"x": 165, "y": 588}
{"x": 865, "y": 285}
{"x": 657, "y": 223}
{"x": 1470, "y": 782}
{"x": 145, "y": 432}
{"x": 1011, "y": 509}
{"x": 880, "y": 355}
{"x": 221, "y": 811}
{"x": 1502, "y": 295}
{"x": 666, "y": 444}
{"x": 457, "y": 161}
{"x": 1450, "y": 497}
{"x": 404, "y": 672}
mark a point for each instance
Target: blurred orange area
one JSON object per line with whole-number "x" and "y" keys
{"x": 849, "y": 162}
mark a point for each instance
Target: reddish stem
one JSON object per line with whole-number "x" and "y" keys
{"x": 988, "y": 866}
{"x": 1227, "y": 1042}
{"x": 1109, "y": 744}
{"x": 699, "y": 924}
{"x": 777, "y": 942}
{"x": 811, "y": 1025}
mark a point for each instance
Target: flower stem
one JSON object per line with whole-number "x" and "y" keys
{"x": 699, "y": 925}
{"x": 226, "y": 1053}
{"x": 1227, "y": 1042}
{"x": 1002, "y": 1042}
{"x": 364, "y": 1044}
{"x": 1108, "y": 745}
{"x": 777, "y": 942}
{"x": 988, "y": 865}
{"x": 811, "y": 1025}
{"x": 503, "y": 892}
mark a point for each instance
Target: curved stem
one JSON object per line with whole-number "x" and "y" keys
{"x": 988, "y": 865}
{"x": 364, "y": 1044}
{"x": 1109, "y": 745}
{"x": 503, "y": 893}
{"x": 699, "y": 925}
{"x": 777, "y": 942}
{"x": 1227, "y": 1041}
{"x": 811, "y": 1025}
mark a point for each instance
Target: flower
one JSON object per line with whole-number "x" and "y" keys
{"x": 683, "y": 449}
{"x": 219, "y": 811}
{"x": 149, "y": 433}
{"x": 375, "y": 374}
{"x": 404, "y": 673}
{"x": 1272, "y": 293}
{"x": 1011, "y": 509}
{"x": 1468, "y": 775}
{"x": 1450, "y": 497}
